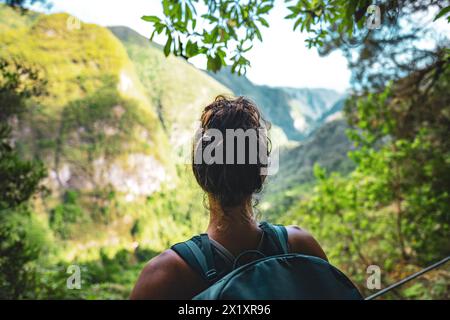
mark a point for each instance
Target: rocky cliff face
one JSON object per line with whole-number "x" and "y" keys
{"x": 95, "y": 124}
{"x": 116, "y": 111}
{"x": 177, "y": 89}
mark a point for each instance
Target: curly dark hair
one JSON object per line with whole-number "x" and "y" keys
{"x": 232, "y": 183}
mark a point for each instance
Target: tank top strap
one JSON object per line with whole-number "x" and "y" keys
{"x": 274, "y": 240}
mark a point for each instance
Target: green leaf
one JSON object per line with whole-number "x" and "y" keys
{"x": 442, "y": 13}
{"x": 258, "y": 34}
{"x": 299, "y": 20}
{"x": 153, "y": 34}
{"x": 265, "y": 9}
{"x": 214, "y": 34}
{"x": 166, "y": 7}
{"x": 214, "y": 63}
{"x": 264, "y": 22}
{"x": 291, "y": 16}
{"x": 167, "y": 46}
{"x": 191, "y": 49}
{"x": 248, "y": 49}
{"x": 209, "y": 17}
{"x": 151, "y": 19}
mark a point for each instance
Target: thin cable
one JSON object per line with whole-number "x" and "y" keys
{"x": 409, "y": 278}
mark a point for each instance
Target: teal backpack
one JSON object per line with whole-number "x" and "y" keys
{"x": 286, "y": 276}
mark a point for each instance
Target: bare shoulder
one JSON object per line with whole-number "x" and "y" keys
{"x": 164, "y": 277}
{"x": 301, "y": 241}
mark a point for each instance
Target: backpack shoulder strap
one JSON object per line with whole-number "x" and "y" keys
{"x": 279, "y": 235}
{"x": 198, "y": 258}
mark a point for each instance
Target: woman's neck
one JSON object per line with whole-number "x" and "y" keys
{"x": 235, "y": 228}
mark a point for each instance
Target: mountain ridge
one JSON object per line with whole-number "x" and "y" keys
{"x": 298, "y": 111}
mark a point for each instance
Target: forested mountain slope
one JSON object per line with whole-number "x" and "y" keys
{"x": 177, "y": 90}
{"x": 108, "y": 130}
{"x": 327, "y": 147}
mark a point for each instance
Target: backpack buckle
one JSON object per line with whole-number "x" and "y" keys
{"x": 211, "y": 274}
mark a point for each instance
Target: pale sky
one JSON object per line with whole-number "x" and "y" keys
{"x": 282, "y": 59}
